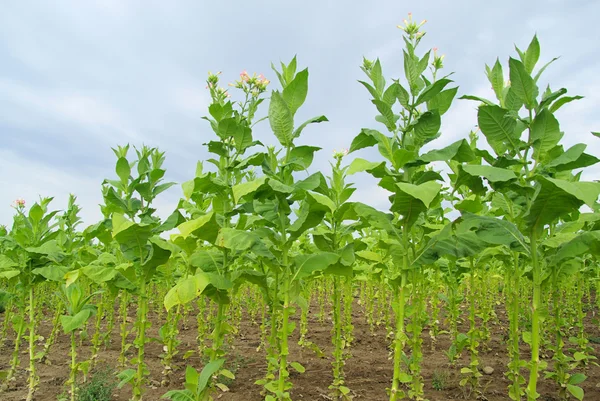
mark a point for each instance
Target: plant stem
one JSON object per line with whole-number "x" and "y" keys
{"x": 532, "y": 393}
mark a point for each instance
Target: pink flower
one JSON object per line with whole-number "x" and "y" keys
{"x": 18, "y": 203}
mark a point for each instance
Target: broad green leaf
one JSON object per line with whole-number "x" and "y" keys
{"x": 123, "y": 169}
{"x": 556, "y": 198}
{"x": 499, "y": 128}
{"x": 496, "y": 77}
{"x": 411, "y": 200}
{"x": 359, "y": 165}
{"x": 294, "y": 94}
{"x": 239, "y": 240}
{"x": 522, "y": 83}
{"x": 207, "y": 372}
{"x": 562, "y": 101}
{"x": 428, "y": 125}
{"x": 281, "y": 119}
{"x": 573, "y": 158}
{"x": 314, "y": 120}
{"x": 71, "y": 323}
{"x": 532, "y": 55}
{"x": 545, "y": 133}
{"x": 442, "y": 101}
{"x": 432, "y": 90}
{"x": 306, "y": 265}
{"x": 186, "y": 290}
{"x": 490, "y": 173}
{"x": 301, "y": 157}
{"x": 204, "y": 227}
{"x": 365, "y": 139}
{"x": 246, "y": 188}
{"x": 459, "y": 151}
{"x": 52, "y": 272}
{"x": 575, "y": 391}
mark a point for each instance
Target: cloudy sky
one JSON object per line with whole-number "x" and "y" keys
{"x": 77, "y": 78}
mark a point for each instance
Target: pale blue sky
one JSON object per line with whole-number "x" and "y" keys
{"x": 79, "y": 77}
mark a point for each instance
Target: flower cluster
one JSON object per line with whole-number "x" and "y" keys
{"x": 255, "y": 84}
{"x": 218, "y": 93}
{"x": 339, "y": 154}
{"x": 412, "y": 28}
{"x": 18, "y": 203}
{"x": 438, "y": 61}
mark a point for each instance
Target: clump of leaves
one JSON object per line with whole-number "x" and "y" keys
{"x": 440, "y": 379}
{"x": 99, "y": 387}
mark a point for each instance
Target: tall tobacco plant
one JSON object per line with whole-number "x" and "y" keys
{"x": 415, "y": 189}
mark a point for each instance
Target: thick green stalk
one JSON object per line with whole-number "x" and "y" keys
{"x": 124, "y": 332}
{"x": 20, "y": 329}
{"x": 532, "y": 393}
{"x": 52, "y": 338}
{"x": 73, "y": 371}
{"x": 337, "y": 334}
{"x": 33, "y": 379}
{"x": 399, "y": 340}
{"x": 201, "y": 320}
{"x": 138, "y": 383}
{"x": 97, "y": 329}
{"x": 284, "y": 351}
{"x": 217, "y": 334}
{"x": 513, "y": 292}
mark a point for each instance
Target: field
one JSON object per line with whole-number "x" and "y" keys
{"x": 269, "y": 281}
{"x": 368, "y": 369}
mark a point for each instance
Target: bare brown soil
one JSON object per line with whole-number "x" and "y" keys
{"x": 368, "y": 371}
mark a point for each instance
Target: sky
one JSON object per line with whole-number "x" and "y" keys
{"x": 77, "y": 78}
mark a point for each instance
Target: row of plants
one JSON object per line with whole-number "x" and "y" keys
{"x": 256, "y": 234}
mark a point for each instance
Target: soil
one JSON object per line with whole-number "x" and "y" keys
{"x": 368, "y": 371}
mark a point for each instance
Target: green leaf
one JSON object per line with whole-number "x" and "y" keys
{"x": 522, "y": 83}
{"x": 359, "y": 165}
{"x": 410, "y": 200}
{"x": 72, "y": 323}
{"x": 545, "y": 133}
{"x": 562, "y": 101}
{"x": 123, "y": 169}
{"x": 377, "y": 78}
{"x": 428, "y": 125}
{"x": 477, "y": 99}
{"x": 432, "y": 90}
{"x": 297, "y": 367}
{"x": 306, "y": 265}
{"x": 556, "y": 198}
{"x": 490, "y": 173}
{"x": 575, "y": 391}
{"x": 499, "y": 128}
{"x": 573, "y": 158}
{"x": 239, "y": 240}
{"x": 314, "y": 120}
{"x": 295, "y": 92}
{"x": 52, "y": 272}
{"x": 442, "y": 101}
{"x": 246, "y": 188}
{"x": 186, "y": 290}
{"x": 577, "y": 378}
{"x": 496, "y": 77}
{"x": 388, "y": 117}
{"x": 281, "y": 119}
{"x": 459, "y": 151}
{"x": 532, "y": 55}
{"x": 365, "y": 139}
{"x": 207, "y": 372}
{"x": 204, "y": 227}
{"x": 301, "y": 157}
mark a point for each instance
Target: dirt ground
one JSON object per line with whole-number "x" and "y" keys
{"x": 368, "y": 371}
